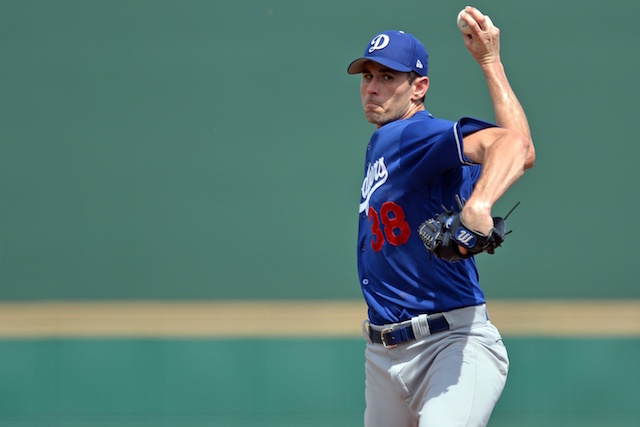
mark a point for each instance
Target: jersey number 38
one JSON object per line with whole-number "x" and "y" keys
{"x": 391, "y": 219}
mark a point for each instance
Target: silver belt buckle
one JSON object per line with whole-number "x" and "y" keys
{"x": 384, "y": 342}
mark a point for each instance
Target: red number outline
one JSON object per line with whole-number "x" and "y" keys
{"x": 396, "y": 228}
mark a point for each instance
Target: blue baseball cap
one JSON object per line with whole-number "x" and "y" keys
{"x": 397, "y": 50}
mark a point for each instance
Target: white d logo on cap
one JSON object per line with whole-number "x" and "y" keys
{"x": 379, "y": 42}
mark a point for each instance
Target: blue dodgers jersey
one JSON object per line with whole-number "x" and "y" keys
{"x": 413, "y": 167}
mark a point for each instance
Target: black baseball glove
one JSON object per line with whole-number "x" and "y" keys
{"x": 444, "y": 234}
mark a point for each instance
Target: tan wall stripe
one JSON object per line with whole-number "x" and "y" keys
{"x": 292, "y": 319}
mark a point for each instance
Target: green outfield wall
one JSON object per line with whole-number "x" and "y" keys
{"x": 304, "y": 382}
{"x": 212, "y": 151}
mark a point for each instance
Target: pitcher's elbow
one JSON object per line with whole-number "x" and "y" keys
{"x": 530, "y": 160}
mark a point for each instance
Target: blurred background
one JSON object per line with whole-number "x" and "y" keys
{"x": 192, "y": 150}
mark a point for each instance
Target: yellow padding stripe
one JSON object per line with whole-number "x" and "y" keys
{"x": 292, "y": 319}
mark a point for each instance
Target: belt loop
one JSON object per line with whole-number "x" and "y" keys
{"x": 365, "y": 330}
{"x": 420, "y": 325}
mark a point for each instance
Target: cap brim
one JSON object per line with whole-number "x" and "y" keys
{"x": 357, "y": 66}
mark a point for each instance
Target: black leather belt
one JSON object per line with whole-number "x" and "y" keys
{"x": 391, "y": 337}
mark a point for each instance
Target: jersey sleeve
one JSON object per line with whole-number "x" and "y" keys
{"x": 467, "y": 126}
{"x": 437, "y": 147}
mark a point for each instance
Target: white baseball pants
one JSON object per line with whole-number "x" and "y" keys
{"x": 449, "y": 379}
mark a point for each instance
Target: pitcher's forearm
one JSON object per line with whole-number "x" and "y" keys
{"x": 509, "y": 113}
